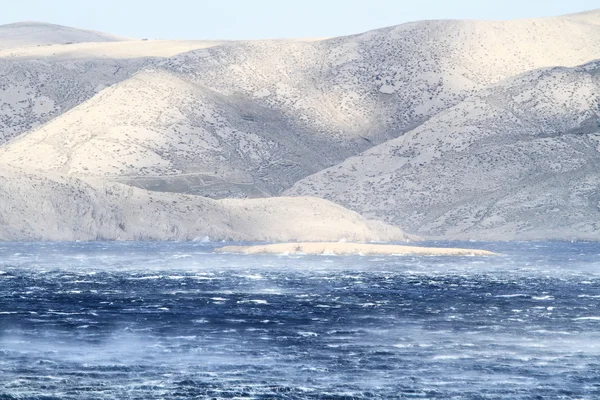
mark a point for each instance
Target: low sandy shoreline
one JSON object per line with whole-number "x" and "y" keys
{"x": 346, "y": 249}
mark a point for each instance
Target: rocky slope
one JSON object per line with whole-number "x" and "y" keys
{"x": 519, "y": 160}
{"x": 29, "y": 34}
{"x": 251, "y": 118}
{"x": 112, "y": 50}
{"x": 452, "y": 129}
{"x": 157, "y": 124}
{"x": 43, "y": 82}
{"x": 34, "y": 206}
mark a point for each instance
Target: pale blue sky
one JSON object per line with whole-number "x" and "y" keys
{"x": 254, "y": 19}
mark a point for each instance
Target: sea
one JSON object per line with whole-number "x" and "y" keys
{"x": 177, "y": 321}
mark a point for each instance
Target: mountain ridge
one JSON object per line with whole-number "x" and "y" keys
{"x": 532, "y": 137}
{"x": 344, "y": 94}
{"x": 449, "y": 128}
{"x": 33, "y": 33}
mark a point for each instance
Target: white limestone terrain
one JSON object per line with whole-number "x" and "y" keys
{"x": 59, "y": 68}
{"x": 519, "y": 159}
{"x": 107, "y": 50}
{"x": 28, "y": 34}
{"x": 52, "y": 207}
{"x": 449, "y": 129}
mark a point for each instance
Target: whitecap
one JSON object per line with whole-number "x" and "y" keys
{"x": 253, "y": 277}
{"x": 145, "y": 278}
{"x": 449, "y": 357}
{"x": 308, "y": 334}
{"x": 178, "y": 256}
{"x": 253, "y": 301}
{"x": 543, "y": 298}
{"x": 203, "y": 278}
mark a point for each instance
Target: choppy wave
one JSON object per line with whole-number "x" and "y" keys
{"x": 138, "y": 321}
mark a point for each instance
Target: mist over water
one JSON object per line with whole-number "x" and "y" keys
{"x": 174, "y": 321}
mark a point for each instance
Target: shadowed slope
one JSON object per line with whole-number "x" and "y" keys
{"x": 518, "y": 161}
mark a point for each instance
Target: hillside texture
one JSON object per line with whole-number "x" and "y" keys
{"x": 451, "y": 129}
{"x": 54, "y": 207}
{"x": 252, "y": 118}
{"x": 518, "y": 160}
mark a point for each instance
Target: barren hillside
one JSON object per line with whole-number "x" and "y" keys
{"x": 452, "y": 129}
{"x": 519, "y": 160}
{"x": 29, "y": 34}
{"x": 53, "y": 207}
{"x": 251, "y": 118}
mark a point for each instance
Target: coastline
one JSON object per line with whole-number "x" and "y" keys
{"x": 346, "y": 249}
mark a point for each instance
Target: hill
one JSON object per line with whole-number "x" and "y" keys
{"x": 251, "y": 118}
{"x": 452, "y": 129}
{"x": 41, "y": 83}
{"x": 517, "y": 161}
{"x": 106, "y": 50}
{"x": 29, "y": 34}
{"x": 53, "y": 207}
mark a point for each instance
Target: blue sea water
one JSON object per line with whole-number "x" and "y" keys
{"x": 175, "y": 321}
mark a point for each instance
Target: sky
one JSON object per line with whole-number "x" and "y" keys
{"x": 262, "y": 19}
